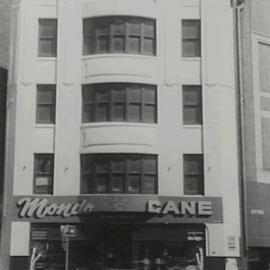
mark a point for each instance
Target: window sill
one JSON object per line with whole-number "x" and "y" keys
{"x": 192, "y": 126}
{"x": 191, "y": 59}
{"x": 118, "y": 124}
{"x": 45, "y": 126}
{"x": 46, "y": 58}
{"x": 117, "y": 55}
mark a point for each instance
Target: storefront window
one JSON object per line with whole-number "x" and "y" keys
{"x": 110, "y": 246}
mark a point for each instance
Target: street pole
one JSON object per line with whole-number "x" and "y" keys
{"x": 67, "y": 253}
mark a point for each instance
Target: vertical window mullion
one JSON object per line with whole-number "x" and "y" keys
{"x": 127, "y": 104}
{"x": 126, "y": 174}
{"x": 110, "y": 176}
{"x": 127, "y": 33}
{"x": 141, "y": 50}
{"x": 111, "y": 34}
{"x": 111, "y": 103}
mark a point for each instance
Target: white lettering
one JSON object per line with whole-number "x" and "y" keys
{"x": 170, "y": 207}
{"x": 154, "y": 207}
{"x": 41, "y": 208}
{"x": 205, "y": 208}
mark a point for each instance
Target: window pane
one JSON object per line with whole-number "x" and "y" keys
{"x": 191, "y": 29}
{"x": 89, "y": 45}
{"x": 103, "y": 95}
{"x": 118, "y": 183}
{"x": 102, "y": 112}
{"x": 149, "y": 28}
{"x": 133, "y": 184}
{"x": 149, "y": 46}
{"x": 134, "y": 165}
{"x": 45, "y": 114}
{"x": 150, "y": 165}
{"x": 148, "y": 184}
{"x": 87, "y": 184}
{"x": 119, "y": 95}
{"x": 89, "y": 27}
{"x": 103, "y": 26}
{"x": 149, "y": 114}
{"x": 192, "y": 166}
{"x": 88, "y": 113}
{"x": 43, "y": 180}
{"x": 134, "y": 112}
{"x": 118, "y": 165}
{"x": 43, "y": 164}
{"x": 134, "y": 93}
{"x": 118, "y": 44}
{"x": 47, "y": 28}
{"x": 193, "y": 185}
{"x": 192, "y": 95}
{"x": 118, "y": 112}
{"x": 133, "y": 44}
{"x": 192, "y": 115}
{"x": 102, "y": 183}
{"x": 47, "y": 47}
{"x": 118, "y": 27}
{"x": 103, "y": 44}
{"x": 102, "y": 167}
{"x": 149, "y": 95}
{"x": 45, "y": 94}
{"x": 191, "y": 48}
{"x": 134, "y": 27}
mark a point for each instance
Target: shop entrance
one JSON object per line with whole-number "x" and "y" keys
{"x": 123, "y": 246}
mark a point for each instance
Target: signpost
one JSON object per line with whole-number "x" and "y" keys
{"x": 67, "y": 232}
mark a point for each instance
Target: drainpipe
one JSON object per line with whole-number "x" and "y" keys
{"x": 238, "y": 7}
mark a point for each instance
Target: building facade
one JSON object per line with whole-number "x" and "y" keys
{"x": 122, "y": 122}
{"x": 254, "y": 52}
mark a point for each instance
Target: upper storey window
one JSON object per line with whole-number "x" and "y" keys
{"x": 119, "y": 102}
{"x": 119, "y": 34}
{"x": 191, "y": 38}
{"x": 47, "y": 45}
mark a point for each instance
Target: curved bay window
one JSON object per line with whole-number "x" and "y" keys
{"x": 118, "y": 173}
{"x": 119, "y": 34}
{"x": 119, "y": 102}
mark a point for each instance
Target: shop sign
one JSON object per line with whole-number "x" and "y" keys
{"x": 191, "y": 208}
{"x": 40, "y": 208}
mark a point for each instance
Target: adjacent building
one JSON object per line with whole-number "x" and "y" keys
{"x": 122, "y": 121}
{"x": 254, "y": 60}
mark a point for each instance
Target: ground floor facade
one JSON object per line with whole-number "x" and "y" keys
{"x": 121, "y": 232}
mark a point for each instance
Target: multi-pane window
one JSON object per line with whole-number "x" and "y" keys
{"x": 191, "y": 38}
{"x": 119, "y": 173}
{"x": 192, "y": 105}
{"x": 43, "y": 173}
{"x": 119, "y": 102}
{"x": 45, "y": 109}
{"x": 119, "y": 34}
{"x": 47, "y": 46}
{"x": 193, "y": 174}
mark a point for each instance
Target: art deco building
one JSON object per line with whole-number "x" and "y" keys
{"x": 122, "y": 122}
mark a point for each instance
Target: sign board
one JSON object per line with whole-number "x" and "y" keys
{"x": 151, "y": 208}
{"x": 68, "y": 230}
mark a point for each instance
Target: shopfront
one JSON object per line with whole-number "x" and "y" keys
{"x": 150, "y": 234}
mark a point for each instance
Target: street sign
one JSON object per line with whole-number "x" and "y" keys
{"x": 68, "y": 230}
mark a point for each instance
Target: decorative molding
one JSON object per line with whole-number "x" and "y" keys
{"x": 25, "y": 83}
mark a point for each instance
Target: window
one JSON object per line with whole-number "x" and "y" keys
{"x": 119, "y": 34}
{"x": 47, "y": 46}
{"x": 43, "y": 173}
{"x": 119, "y": 102}
{"x": 118, "y": 173}
{"x": 193, "y": 174}
{"x": 191, "y": 38}
{"x": 192, "y": 105}
{"x": 45, "y": 113}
